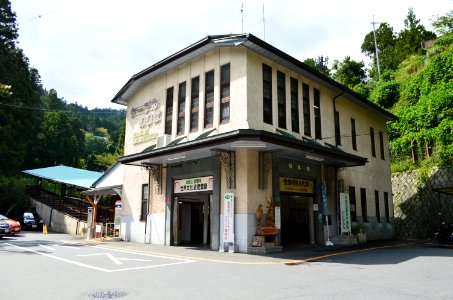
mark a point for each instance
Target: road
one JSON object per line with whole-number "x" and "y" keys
{"x": 60, "y": 266}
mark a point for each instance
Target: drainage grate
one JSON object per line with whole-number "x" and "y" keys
{"x": 108, "y": 294}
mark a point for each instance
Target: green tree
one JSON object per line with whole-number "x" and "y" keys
{"x": 349, "y": 72}
{"x": 444, "y": 24}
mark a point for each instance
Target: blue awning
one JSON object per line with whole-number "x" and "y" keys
{"x": 68, "y": 175}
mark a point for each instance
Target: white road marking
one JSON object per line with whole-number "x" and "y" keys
{"x": 112, "y": 258}
{"x": 71, "y": 247}
{"x": 48, "y": 248}
{"x": 134, "y": 259}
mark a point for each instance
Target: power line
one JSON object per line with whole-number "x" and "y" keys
{"x": 64, "y": 111}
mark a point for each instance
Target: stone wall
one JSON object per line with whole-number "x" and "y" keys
{"x": 418, "y": 209}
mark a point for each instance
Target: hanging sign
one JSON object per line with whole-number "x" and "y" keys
{"x": 228, "y": 218}
{"x": 345, "y": 213}
{"x": 278, "y": 218}
{"x": 199, "y": 184}
{"x": 296, "y": 185}
{"x": 324, "y": 198}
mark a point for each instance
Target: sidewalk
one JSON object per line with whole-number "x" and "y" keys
{"x": 292, "y": 255}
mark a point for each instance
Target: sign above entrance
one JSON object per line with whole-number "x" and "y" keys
{"x": 199, "y": 184}
{"x": 295, "y": 185}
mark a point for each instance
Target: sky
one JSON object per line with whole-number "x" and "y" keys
{"x": 88, "y": 49}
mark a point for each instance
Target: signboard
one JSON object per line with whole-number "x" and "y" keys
{"x": 228, "y": 218}
{"x": 345, "y": 213}
{"x": 199, "y": 184}
{"x": 278, "y": 218}
{"x": 296, "y": 185}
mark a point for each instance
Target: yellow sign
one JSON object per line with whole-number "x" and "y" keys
{"x": 295, "y": 185}
{"x": 44, "y": 228}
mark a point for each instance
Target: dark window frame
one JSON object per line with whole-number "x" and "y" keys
{"x": 353, "y": 134}
{"x": 144, "y": 202}
{"x": 181, "y": 126}
{"x": 306, "y": 109}
{"x": 386, "y": 207}
{"x": 194, "y": 103}
{"x": 363, "y": 205}
{"x": 337, "y": 128}
{"x": 378, "y": 207}
{"x": 294, "y": 90}
{"x": 225, "y": 73}
{"x": 169, "y": 110}
{"x": 317, "y": 113}
{"x": 281, "y": 99}
{"x": 267, "y": 95}
{"x": 381, "y": 144}
{"x": 209, "y": 99}
{"x": 373, "y": 142}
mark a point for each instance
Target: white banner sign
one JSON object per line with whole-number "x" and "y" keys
{"x": 191, "y": 185}
{"x": 278, "y": 218}
{"x": 345, "y": 213}
{"x": 228, "y": 218}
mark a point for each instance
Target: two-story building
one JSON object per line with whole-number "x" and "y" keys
{"x": 231, "y": 116}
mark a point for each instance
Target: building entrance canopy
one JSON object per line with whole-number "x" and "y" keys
{"x": 282, "y": 143}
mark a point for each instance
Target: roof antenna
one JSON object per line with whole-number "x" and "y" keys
{"x": 264, "y": 24}
{"x": 242, "y": 18}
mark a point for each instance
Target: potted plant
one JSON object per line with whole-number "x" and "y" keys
{"x": 360, "y": 231}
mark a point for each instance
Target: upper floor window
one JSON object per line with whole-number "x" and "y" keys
{"x": 306, "y": 107}
{"x": 337, "y": 129}
{"x": 381, "y": 143}
{"x": 353, "y": 134}
{"x": 281, "y": 99}
{"x": 317, "y": 112}
{"x": 181, "y": 108}
{"x": 373, "y": 144}
{"x": 209, "y": 99}
{"x": 169, "y": 110}
{"x": 194, "y": 103}
{"x": 225, "y": 93}
{"x": 294, "y": 105}
{"x": 267, "y": 94}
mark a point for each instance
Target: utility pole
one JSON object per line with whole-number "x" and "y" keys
{"x": 377, "y": 49}
{"x": 264, "y": 24}
{"x": 242, "y": 18}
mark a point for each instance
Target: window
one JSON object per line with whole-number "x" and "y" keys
{"x": 378, "y": 210}
{"x": 306, "y": 107}
{"x": 281, "y": 99}
{"x": 209, "y": 99}
{"x": 181, "y": 108}
{"x": 317, "y": 111}
{"x": 337, "y": 128}
{"x": 353, "y": 135}
{"x": 373, "y": 145}
{"x": 386, "y": 207}
{"x": 169, "y": 110}
{"x": 294, "y": 105}
{"x": 352, "y": 204}
{"x": 144, "y": 210}
{"x": 267, "y": 94}
{"x": 363, "y": 204}
{"x": 194, "y": 103}
{"x": 381, "y": 143}
{"x": 225, "y": 93}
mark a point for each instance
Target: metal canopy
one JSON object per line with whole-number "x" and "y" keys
{"x": 67, "y": 175}
{"x": 289, "y": 147}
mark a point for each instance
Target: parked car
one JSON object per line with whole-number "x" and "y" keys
{"x": 32, "y": 220}
{"x": 4, "y": 229}
{"x": 14, "y": 226}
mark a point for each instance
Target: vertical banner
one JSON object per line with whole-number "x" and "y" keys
{"x": 278, "y": 218}
{"x": 345, "y": 213}
{"x": 324, "y": 198}
{"x": 228, "y": 218}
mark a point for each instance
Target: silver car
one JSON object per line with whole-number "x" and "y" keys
{"x": 4, "y": 229}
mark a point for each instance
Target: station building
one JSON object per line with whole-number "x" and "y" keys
{"x": 233, "y": 117}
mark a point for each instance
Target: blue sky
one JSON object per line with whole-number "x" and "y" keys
{"x": 86, "y": 50}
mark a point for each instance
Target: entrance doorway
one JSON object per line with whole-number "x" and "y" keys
{"x": 192, "y": 220}
{"x": 295, "y": 219}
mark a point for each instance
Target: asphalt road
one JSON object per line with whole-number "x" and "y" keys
{"x": 59, "y": 266}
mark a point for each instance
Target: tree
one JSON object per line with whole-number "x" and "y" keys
{"x": 349, "y": 72}
{"x": 444, "y": 24}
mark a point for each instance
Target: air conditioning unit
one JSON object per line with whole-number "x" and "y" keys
{"x": 163, "y": 140}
